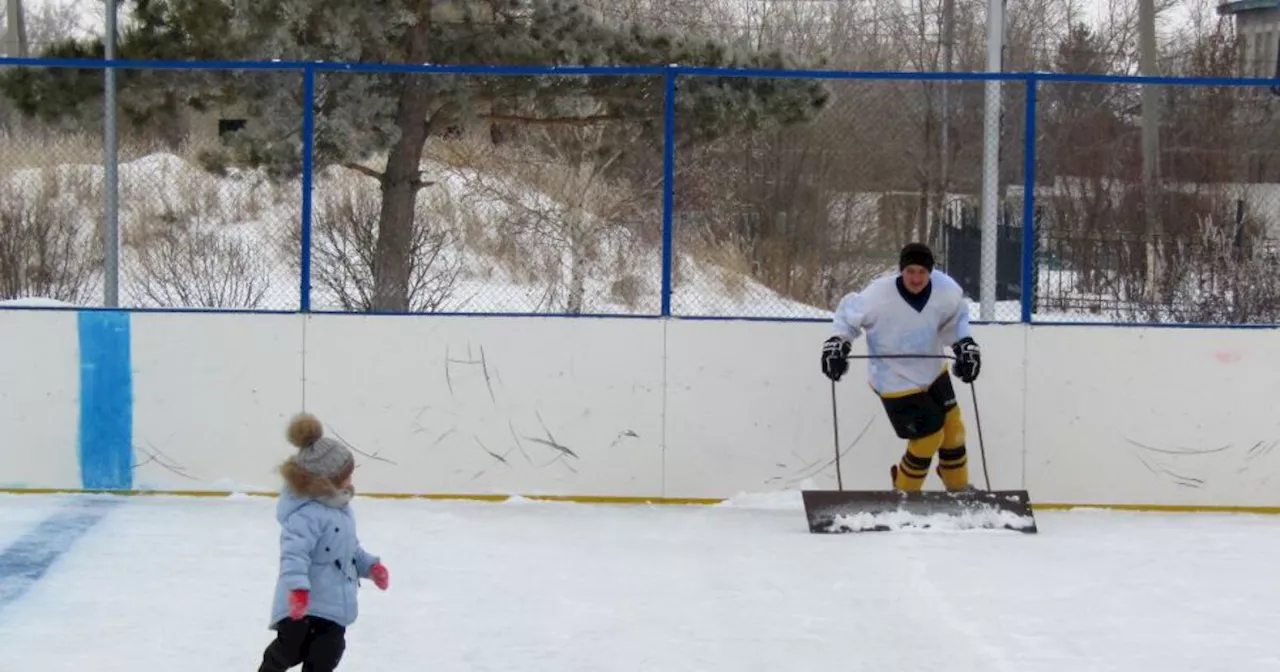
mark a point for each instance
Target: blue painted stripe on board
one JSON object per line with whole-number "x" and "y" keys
{"x": 106, "y": 401}
{"x": 29, "y": 558}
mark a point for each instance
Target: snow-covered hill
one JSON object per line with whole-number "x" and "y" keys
{"x": 488, "y": 244}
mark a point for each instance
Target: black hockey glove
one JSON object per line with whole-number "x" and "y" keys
{"x": 968, "y": 359}
{"x": 834, "y": 352}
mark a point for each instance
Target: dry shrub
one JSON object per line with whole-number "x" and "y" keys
{"x": 45, "y": 251}
{"x": 1224, "y": 273}
{"x": 727, "y": 254}
{"x": 555, "y": 219}
{"x": 180, "y": 257}
{"x": 344, "y": 241}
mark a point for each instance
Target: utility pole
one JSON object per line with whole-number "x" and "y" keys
{"x": 111, "y": 262}
{"x": 991, "y": 158}
{"x": 15, "y": 38}
{"x": 948, "y": 50}
{"x": 1150, "y": 143}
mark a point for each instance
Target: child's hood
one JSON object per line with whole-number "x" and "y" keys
{"x": 289, "y": 503}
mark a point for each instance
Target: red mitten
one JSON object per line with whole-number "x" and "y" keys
{"x": 298, "y": 600}
{"x": 381, "y": 578}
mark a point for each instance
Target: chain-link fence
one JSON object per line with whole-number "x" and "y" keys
{"x": 779, "y": 219}
{"x": 638, "y": 191}
{"x": 1157, "y": 203}
{"x": 534, "y": 194}
{"x": 193, "y": 233}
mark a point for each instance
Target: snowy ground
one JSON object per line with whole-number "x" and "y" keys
{"x": 166, "y": 583}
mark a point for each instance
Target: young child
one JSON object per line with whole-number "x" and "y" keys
{"x": 321, "y": 560}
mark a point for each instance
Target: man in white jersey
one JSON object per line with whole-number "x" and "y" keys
{"x": 919, "y": 311}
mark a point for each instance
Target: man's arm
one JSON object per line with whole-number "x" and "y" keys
{"x": 968, "y": 354}
{"x": 961, "y": 321}
{"x": 851, "y": 316}
{"x": 849, "y": 321}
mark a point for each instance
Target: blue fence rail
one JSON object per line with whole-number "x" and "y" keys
{"x": 518, "y": 214}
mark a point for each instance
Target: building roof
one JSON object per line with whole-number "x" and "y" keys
{"x": 1238, "y": 6}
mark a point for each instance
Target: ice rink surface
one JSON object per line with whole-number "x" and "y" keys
{"x": 152, "y": 584}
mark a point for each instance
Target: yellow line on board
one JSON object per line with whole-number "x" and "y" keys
{"x": 579, "y": 499}
{"x": 1170, "y": 508}
{"x": 605, "y": 499}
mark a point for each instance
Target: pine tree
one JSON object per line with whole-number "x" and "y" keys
{"x": 360, "y": 115}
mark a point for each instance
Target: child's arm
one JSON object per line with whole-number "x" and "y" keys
{"x": 370, "y": 567}
{"x": 297, "y": 541}
{"x": 365, "y": 562}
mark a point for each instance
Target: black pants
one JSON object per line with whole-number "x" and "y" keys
{"x": 315, "y": 642}
{"x": 918, "y": 415}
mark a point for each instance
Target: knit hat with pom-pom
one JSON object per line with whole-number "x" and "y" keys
{"x": 319, "y": 455}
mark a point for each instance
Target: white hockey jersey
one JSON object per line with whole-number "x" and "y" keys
{"x": 894, "y": 326}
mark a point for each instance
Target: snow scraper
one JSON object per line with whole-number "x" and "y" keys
{"x": 835, "y": 511}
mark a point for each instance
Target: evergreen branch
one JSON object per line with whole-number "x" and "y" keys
{"x": 366, "y": 170}
{"x": 362, "y": 169}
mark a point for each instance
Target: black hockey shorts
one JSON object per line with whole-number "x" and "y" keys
{"x": 920, "y": 414}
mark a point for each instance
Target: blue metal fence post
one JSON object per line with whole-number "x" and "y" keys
{"x": 308, "y": 147}
{"x": 668, "y": 188}
{"x": 1028, "y": 202}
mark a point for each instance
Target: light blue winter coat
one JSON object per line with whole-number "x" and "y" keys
{"x": 319, "y": 552}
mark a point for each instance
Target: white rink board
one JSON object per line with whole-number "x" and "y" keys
{"x": 39, "y": 399}
{"x": 212, "y": 395}
{"x": 493, "y": 405}
{"x": 1002, "y": 393}
{"x": 644, "y": 408}
{"x": 749, "y": 410}
{"x": 1153, "y": 416}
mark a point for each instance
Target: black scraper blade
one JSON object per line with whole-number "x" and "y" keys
{"x": 838, "y": 511}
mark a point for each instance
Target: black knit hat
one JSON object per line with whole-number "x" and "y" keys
{"x": 915, "y": 253}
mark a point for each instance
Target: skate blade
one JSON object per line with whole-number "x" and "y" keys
{"x": 840, "y": 511}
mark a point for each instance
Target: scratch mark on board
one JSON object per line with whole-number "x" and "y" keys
{"x": 443, "y": 436}
{"x": 806, "y": 462}
{"x": 492, "y": 454}
{"x": 1180, "y": 451}
{"x": 161, "y": 453}
{"x": 519, "y": 445}
{"x": 448, "y": 379}
{"x": 551, "y": 439}
{"x": 484, "y": 366}
{"x": 628, "y": 434}
{"x": 1179, "y": 479}
{"x": 1146, "y": 464}
{"x": 167, "y": 463}
{"x": 552, "y": 444}
{"x": 810, "y": 473}
{"x": 500, "y": 458}
{"x": 372, "y": 456}
{"x": 1186, "y": 481}
{"x": 1261, "y": 449}
{"x": 561, "y": 460}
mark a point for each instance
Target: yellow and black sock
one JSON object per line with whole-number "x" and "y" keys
{"x": 912, "y": 469}
{"x": 953, "y": 462}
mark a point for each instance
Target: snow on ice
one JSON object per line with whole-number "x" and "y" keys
{"x": 177, "y": 583}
